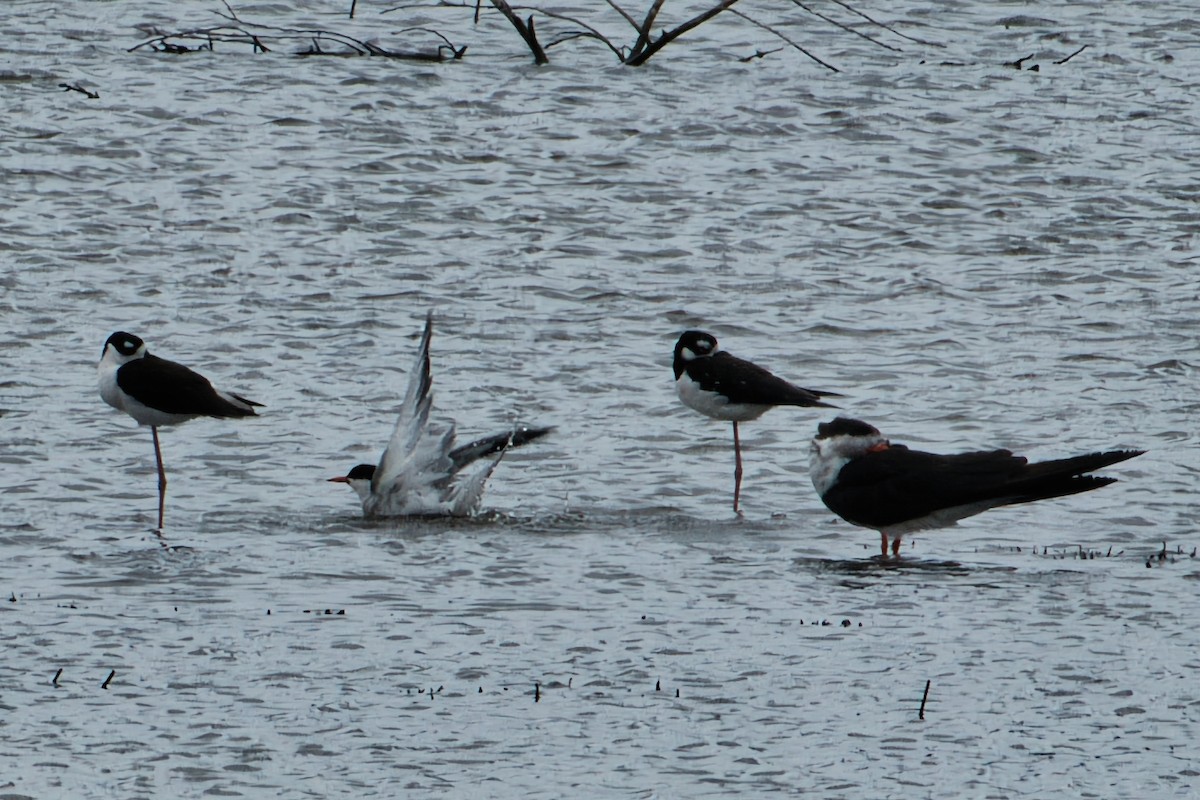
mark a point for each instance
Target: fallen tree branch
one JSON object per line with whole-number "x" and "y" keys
{"x": 1068, "y": 58}
{"x": 847, "y": 28}
{"x": 774, "y": 32}
{"x": 71, "y": 87}
{"x": 244, "y": 32}
{"x": 588, "y": 32}
{"x": 525, "y": 29}
{"x": 758, "y": 54}
{"x": 644, "y": 30}
{"x": 623, "y": 13}
{"x": 887, "y": 28}
{"x": 170, "y": 42}
{"x": 637, "y": 58}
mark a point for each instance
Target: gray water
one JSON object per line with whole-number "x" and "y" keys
{"x": 976, "y": 255}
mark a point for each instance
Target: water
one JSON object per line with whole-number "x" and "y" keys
{"x": 974, "y": 254}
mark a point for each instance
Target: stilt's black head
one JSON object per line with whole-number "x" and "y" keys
{"x": 844, "y": 426}
{"x": 126, "y": 344}
{"x": 693, "y": 345}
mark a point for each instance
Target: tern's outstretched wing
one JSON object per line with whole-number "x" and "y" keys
{"x": 464, "y": 489}
{"x": 421, "y": 472}
{"x": 416, "y": 456}
{"x": 468, "y": 453}
{"x": 464, "y": 495}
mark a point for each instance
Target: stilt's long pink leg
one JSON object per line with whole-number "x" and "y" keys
{"x": 737, "y": 469}
{"x": 162, "y": 477}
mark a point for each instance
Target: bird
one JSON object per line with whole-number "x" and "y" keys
{"x": 870, "y": 482}
{"x": 421, "y": 472}
{"x": 157, "y": 392}
{"x": 725, "y": 387}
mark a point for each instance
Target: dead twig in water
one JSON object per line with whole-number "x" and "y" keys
{"x": 588, "y": 32}
{"x": 774, "y": 32}
{"x": 244, "y": 32}
{"x": 887, "y": 28}
{"x": 758, "y": 54}
{"x": 1068, "y": 58}
{"x": 644, "y": 48}
{"x": 924, "y": 697}
{"x": 847, "y": 28}
{"x": 525, "y": 28}
{"x": 70, "y": 87}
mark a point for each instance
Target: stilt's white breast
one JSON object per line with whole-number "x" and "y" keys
{"x": 111, "y": 393}
{"x": 714, "y": 404}
{"x": 825, "y": 463}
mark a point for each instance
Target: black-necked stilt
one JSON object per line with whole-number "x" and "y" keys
{"x": 870, "y": 482}
{"x": 724, "y": 387}
{"x": 158, "y": 392}
{"x": 421, "y": 471}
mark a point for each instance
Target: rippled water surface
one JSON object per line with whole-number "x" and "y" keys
{"x": 974, "y": 254}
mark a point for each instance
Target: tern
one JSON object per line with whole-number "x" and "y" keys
{"x": 157, "y": 392}
{"x": 421, "y": 472}
{"x": 870, "y": 482}
{"x": 725, "y": 387}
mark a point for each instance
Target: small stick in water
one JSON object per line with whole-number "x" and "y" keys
{"x": 924, "y": 697}
{"x": 57, "y": 675}
{"x": 108, "y": 680}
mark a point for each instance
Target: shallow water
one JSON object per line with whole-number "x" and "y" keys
{"x": 975, "y": 255}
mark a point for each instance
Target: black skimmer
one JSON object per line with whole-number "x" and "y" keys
{"x": 421, "y": 471}
{"x": 158, "y": 392}
{"x": 725, "y": 387}
{"x": 870, "y": 482}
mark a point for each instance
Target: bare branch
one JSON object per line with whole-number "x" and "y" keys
{"x": 636, "y": 59}
{"x": 623, "y": 13}
{"x": 644, "y": 31}
{"x": 1068, "y": 58}
{"x": 525, "y": 29}
{"x": 888, "y": 28}
{"x": 847, "y": 28}
{"x": 774, "y": 32}
{"x": 254, "y": 34}
{"x": 72, "y": 87}
{"x": 758, "y": 54}
{"x": 589, "y": 31}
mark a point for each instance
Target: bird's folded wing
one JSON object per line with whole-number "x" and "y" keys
{"x": 745, "y": 382}
{"x": 898, "y": 484}
{"x": 170, "y": 387}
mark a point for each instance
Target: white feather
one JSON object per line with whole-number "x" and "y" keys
{"x": 416, "y": 475}
{"x": 715, "y": 404}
